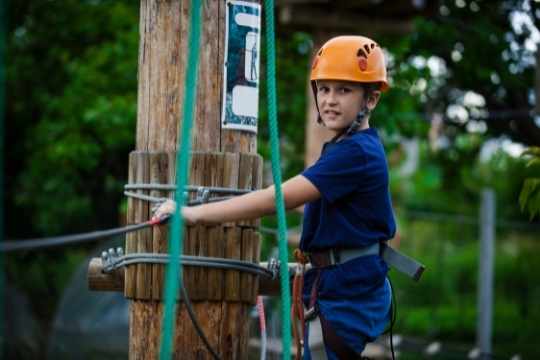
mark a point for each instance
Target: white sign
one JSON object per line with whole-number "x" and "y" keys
{"x": 241, "y": 68}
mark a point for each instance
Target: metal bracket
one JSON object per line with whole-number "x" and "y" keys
{"x": 203, "y": 194}
{"x": 110, "y": 257}
{"x": 273, "y": 267}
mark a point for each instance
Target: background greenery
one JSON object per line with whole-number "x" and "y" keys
{"x": 70, "y": 124}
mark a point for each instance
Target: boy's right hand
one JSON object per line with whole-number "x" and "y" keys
{"x": 165, "y": 209}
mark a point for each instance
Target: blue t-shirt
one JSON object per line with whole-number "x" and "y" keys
{"x": 354, "y": 210}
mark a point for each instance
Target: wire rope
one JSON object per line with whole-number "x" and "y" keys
{"x": 32, "y": 244}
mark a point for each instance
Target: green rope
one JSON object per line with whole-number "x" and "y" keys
{"x": 173, "y": 275}
{"x": 276, "y": 173}
{"x": 3, "y": 38}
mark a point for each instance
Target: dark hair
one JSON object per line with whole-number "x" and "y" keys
{"x": 370, "y": 88}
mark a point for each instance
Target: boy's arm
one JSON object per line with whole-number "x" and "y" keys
{"x": 296, "y": 191}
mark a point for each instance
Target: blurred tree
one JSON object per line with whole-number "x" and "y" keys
{"x": 70, "y": 115}
{"x": 72, "y": 80}
{"x": 463, "y": 86}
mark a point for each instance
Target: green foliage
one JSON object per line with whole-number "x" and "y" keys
{"x": 71, "y": 105}
{"x": 529, "y": 198}
{"x": 34, "y": 273}
{"x": 86, "y": 129}
{"x": 292, "y": 64}
{"x": 443, "y": 304}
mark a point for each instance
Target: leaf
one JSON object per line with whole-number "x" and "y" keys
{"x": 534, "y": 206}
{"x": 534, "y": 151}
{"x": 533, "y": 162}
{"x": 529, "y": 187}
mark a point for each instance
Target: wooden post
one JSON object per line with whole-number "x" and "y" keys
{"x": 222, "y": 157}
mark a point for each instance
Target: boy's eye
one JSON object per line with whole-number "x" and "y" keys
{"x": 344, "y": 90}
{"x": 323, "y": 88}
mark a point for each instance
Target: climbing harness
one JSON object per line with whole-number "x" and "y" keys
{"x": 322, "y": 259}
{"x": 392, "y": 257}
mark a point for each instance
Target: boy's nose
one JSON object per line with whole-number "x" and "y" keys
{"x": 331, "y": 98}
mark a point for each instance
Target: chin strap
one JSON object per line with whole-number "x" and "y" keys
{"x": 354, "y": 126}
{"x": 358, "y": 122}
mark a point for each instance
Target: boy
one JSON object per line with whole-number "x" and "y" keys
{"x": 348, "y": 211}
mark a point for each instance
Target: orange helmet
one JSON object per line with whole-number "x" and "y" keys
{"x": 350, "y": 58}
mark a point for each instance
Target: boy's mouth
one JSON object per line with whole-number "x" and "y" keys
{"x": 332, "y": 112}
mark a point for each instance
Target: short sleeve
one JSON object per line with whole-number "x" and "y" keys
{"x": 339, "y": 170}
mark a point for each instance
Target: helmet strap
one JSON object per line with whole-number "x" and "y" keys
{"x": 354, "y": 126}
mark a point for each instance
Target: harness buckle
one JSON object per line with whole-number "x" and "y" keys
{"x": 311, "y": 313}
{"x": 334, "y": 257}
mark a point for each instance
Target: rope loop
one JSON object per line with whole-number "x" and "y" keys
{"x": 300, "y": 257}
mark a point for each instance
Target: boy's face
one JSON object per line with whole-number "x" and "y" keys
{"x": 340, "y": 101}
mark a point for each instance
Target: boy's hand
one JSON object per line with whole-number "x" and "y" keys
{"x": 167, "y": 209}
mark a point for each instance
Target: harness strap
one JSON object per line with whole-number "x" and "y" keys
{"x": 297, "y": 312}
{"x": 297, "y": 308}
{"x": 334, "y": 256}
{"x": 402, "y": 263}
{"x": 335, "y": 342}
{"x": 314, "y": 291}
{"x": 391, "y": 256}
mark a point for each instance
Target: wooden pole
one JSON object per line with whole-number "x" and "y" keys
{"x": 222, "y": 157}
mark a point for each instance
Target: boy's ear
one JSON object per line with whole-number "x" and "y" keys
{"x": 373, "y": 99}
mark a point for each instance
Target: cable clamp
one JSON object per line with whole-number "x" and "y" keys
{"x": 273, "y": 267}
{"x": 203, "y": 194}
{"x": 111, "y": 257}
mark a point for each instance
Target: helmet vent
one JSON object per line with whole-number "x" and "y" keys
{"x": 361, "y": 53}
{"x": 372, "y": 45}
{"x": 367, "y": 48}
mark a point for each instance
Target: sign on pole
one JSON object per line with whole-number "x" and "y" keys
{"x": 241, "y": 68}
